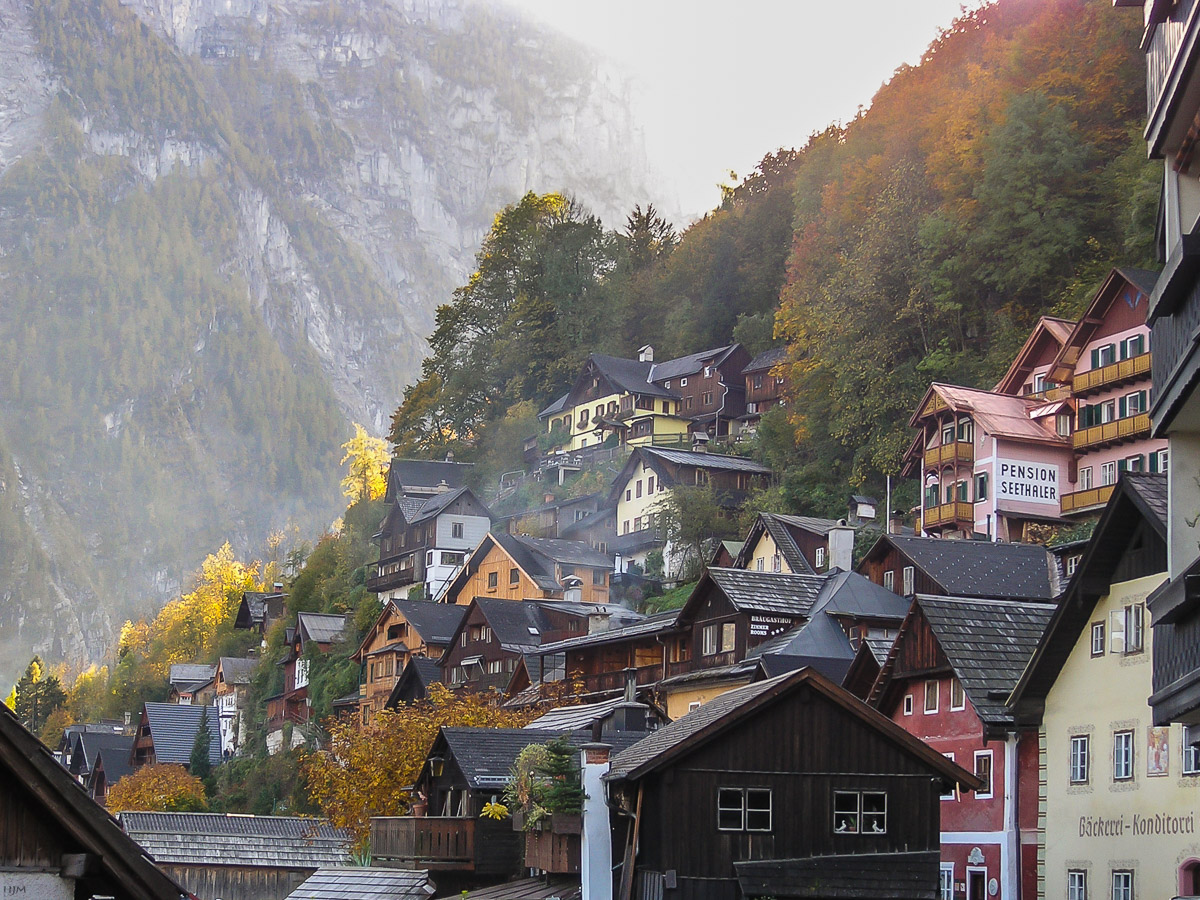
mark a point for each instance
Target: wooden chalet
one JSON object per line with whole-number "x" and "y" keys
{"x": 424, "y": 541}
{"x": 1029, "y": 374}
{"x": 233, "y": 678}
{"x": 921, "y": 565}
{"x": 81, "y": 743}
{"x": 192, "y": 683}
{"x": 803, "y": 545}
{"x": 413, "y": 684}
{"x": 322, "y": 630}
{"x": 238, "y": 857}
{"x": 789, "y": 787}
{"x": 764, "y": 385}
{"x": 167, "y": 732}
{"x": 711, "y": 388}
{"x": 947, "y": 680}
{"x": 110, "y": 767}
{"x": 259, "y": 610}
{"x": 55, "y": 842}
{"x": 519, "y": 567}
{"x": 405, "y": 629}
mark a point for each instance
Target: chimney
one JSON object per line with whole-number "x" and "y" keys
{"x": 630, "y": 684}
{"x": 646, "y": 354}
{"x": 277, "y": 587}
{"x": 442, "y": 487}
{"x": 841, "y": 546}
{"x": 896, "y": 523}
{"x": 596, "y": 850}
{"x": 547, "y": 498}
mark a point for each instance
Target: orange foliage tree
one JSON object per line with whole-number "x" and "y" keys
{"x": 367, "y": 769}
{"x": 158, "y": 788}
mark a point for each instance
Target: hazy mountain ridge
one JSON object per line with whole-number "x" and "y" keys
{"x": 216, "y": 252}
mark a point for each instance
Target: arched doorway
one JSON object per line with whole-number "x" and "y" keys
{"x": 1189, "y": 878}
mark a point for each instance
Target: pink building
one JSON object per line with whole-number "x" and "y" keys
{"x": 1048, "y": 442}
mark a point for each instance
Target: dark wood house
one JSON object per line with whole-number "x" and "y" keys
{"x": 321, "y": 630}
{"x": 259, "y": 610}
{"x": 167, "y": 734}
{"x": 55, "y": 842}
{"x": 796, "y": 544}
{"x": 710, "y": 386}
{"x": 764, "y": 385}
{"x": 789, "y": 787}
{"x": 959, "y": 568}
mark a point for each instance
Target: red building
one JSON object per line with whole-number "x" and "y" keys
{"x": 946, "y": 681}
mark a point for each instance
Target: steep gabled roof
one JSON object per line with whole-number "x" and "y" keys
{"x": 693, "y": 362}
{"x": 1138, "y": 502}
{"x": 856, "y": 596}
{"x": 1049, "y": 330}
{"x": 58, "y": 802}
{"x": 436, "y": 504}
{"x": 174, "y": 728}
{"x": 238, "y": 840}
{"x": 766, "y": 360}
{"x": 435, "y": 622}
{"x": 980, "y": 568}
{"x": 556, "y": 407}
{"x": 419, "y": 673}
{"x": 91, "y": 744}
{"x": 819, "y": 642}
{"x": 423, "y": 475}
{"x": 189, "y": 675}
{"x": 771, "y": 593}
{"x": 324, "y": 628}
{"x": 485, "y": 756}
{"x": 1109, "y": 291}
{"x": 999, "y": 415}
{"x": 237, "y": 670}
{"x": 728, "y": 710}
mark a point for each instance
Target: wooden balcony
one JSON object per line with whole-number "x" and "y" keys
{"x": 549, "y": 851}
{"x": 1113, "y": 374}
{"x": 481, "y": 846}
{"x": 378, "y": 583}
{"x": 960, "y": 451}
{"x": 1127, "y": 429}
{"x": 1081, "y": 500}
{"x": 602, "y": 682}
{"x": 1161, "y": 46}
{"x": 956, "y": 513}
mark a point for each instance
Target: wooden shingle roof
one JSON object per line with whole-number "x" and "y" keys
{"x": 353, "y": 883}
{"x": 235, "y": 840}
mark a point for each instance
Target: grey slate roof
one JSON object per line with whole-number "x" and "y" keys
{"x": 115, "y": 763}
{"x": 982, "y": 568}
{"x": 715, "y": 461}
{"x": 234, "y": 840}
{"x": 435, "y": 622}
{"x": 1143, "y": 279}
{"x": 630, "y": 375}
{"x": 1151, "y": 489}
{"x": 556, "y": 407}
{"x": 573, "y": 718}
{"x": 766, "y": 360}
{"x": 185, "y": 675}
{"x": 988, "y": 643}
{"x": 352, "y": 883}
{"x": 686, "y": 365}
{"x": 425, "y": 473}
{"x": 237, "y": 670}
{"x": 788, "y": 548}
{"x": 91, "y": 744}
{"x": 771, "y": 593}
{"x": 410, "y": 507}
{"x": 435, "y": 504}
{"x": 571, "y": 553}
{"x": 663, "y": 621}
{"x": 485, "y": 756}
{"x": 174, "y": 728}
{"x": 324, "y": 628}
{"x": 851, "y": 594}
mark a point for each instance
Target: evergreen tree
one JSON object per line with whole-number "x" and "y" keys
{"x": 200, "y": 765}
{"x": 38, "y": 695}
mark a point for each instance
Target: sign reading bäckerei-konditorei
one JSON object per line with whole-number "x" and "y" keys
{"x": 1027, "y": 482}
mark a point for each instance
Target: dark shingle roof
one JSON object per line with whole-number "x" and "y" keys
{"x": 573, "y": 718}
{"x": 426, "y": 473}
{"x": 768, "y": 592}
{"x": 236, "y": 840}
{"x": 982, "y": 568}
{"x": 410, "y": 507}
{"x": 629, "y": 375}
{"x": 520, "y": 624}
{"x": 570, "y": 553}
{"x": 91, "y": 744}
{"x": 1151, "y": 490}
{"x": 174, "y": 728}
{"x": 556, "y": 407}
{"x": 663, "y": 621}
{"x": 115, "y": 762}
{"x": 715, "y": 461}
{"x": 435, "y": 504}
{"x": 686, "y": 365}
{"x": 766, "y": 360}
{"x": 820, "y": 643}
{"x": 353, "y": 883}
{"x": 237, "y": 670}
{"x": 854, "y": 595}
{"x": 1143, "y": 279}
{"x": 788, "y": 548}
{"x": 485, "y": 756}
{"x": 545, "y": 887}
{"x": 988, "y": 644}
{"x": 188, "y": 675}
{"x": 324, "y": 628}
{"x": 435, "y": 622}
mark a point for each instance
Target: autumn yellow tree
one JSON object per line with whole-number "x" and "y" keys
{"x": 158, "y": 788}
{"x": 368, "y": 458}
{"x": 366, "y": 770}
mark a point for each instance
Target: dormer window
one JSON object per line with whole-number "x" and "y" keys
{"x": 708, "y": 371}
{"x": 683, "y": 382}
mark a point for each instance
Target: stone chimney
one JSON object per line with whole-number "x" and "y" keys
{"x": 442, "y": 487}
{"x": 596, "y": 850}
{"x": 841, "y": 546}
{"x": 646, "y": 354}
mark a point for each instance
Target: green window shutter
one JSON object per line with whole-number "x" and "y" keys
{"x": 1143, "y": 401}
{"x": 1153, "y": 462}
{"x": 1122, "y": 408}
{"x": 1095, "y": 357}
{"x": 1122, "y": 465}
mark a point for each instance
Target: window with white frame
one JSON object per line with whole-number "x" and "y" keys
{"x": 931, "y": 696}
{"x": 889, "y": 580}
{"x": 958, "y": 697}
{"x": 1097, "y": 639}
{"x": 908, "y": 580}
{"x": 946, "y": 882}
{"x": 947, "y": 434}
{"x": 908, "y": 704}
{"x": 1076, "y": 884}
{"x": 456, "y": 529}
{"x": 859, "y": 812}
{"x": 1080, "y": 758}
{"x": 983, "y": 771}
{"x": 1135, "y": 619}
{"x": 744, "y": 809}
{"x": 1039, "y": 383}
{"x": 1123, "y": 756}
{"x": 1122, "y": 885}
{"x": 1158, "y": 461}
{"x": 952, "y": 794}
{"x": 1191, "y": 750}
{"x": 820, "y": 557}
{"x": 1085, "y": 478}
{"x": 776, "y": 563}
{"x": 1116, "y": 631}
{"x": 1108, "y": 473}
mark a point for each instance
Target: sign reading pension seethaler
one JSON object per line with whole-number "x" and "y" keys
{"x": 1027, "y": 482}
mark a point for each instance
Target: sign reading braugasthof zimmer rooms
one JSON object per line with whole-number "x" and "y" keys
{"x": 1027, "y": 482}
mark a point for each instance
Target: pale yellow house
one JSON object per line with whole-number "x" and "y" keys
{"x": 1121, "y": 797}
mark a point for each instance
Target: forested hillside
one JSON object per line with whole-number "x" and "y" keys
{"x": 997, "y": 180}
{"x": 223, "y": 231}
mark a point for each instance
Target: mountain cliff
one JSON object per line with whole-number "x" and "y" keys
{"x": 224, "y": 227}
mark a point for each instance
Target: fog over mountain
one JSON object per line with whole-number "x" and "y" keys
{"x": 224, "y": 228}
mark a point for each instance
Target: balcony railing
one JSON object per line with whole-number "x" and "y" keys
{"x": 1077, "y": 500}
{"x": 423, "y": 842}
{"x": 1112, "y": 374}
{"x": 615, "y": 681}
{"x": 1126, "y": 429}
{"x": 962, "y": 451}
{"x": 949, "y": 514}
{"x": 1162, "y": 50}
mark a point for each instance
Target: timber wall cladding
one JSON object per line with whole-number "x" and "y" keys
{"x": 237, "y": 882}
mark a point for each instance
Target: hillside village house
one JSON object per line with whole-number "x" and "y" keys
{"x": 233, "y": 685}
{"x": 1119, "y": 790}
{"x": 946, "y": 681}
{"x": 192, "y": 683}
{"x": 796, "y": 544}
{"x": 259, "y": 610}
{"x": 1172, "y": 79}
{"x": 167, "y": 733}
{"x": 424, "y": 542}
{"x": 403, "y": 630}
{"x": 711, "y": 387}
{"x": 321, "y": 630}
{"x": 764, "y": 387}
{"x": 1049, "y": 441}
{"x": 519, "y": 567}
{"x": 647, "y": 479}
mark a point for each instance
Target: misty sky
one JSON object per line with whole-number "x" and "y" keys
{"x": 724, "y": 83}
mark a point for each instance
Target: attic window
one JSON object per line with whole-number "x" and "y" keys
{"x": 533, "y": 630}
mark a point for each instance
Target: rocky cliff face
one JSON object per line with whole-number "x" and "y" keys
{"x": 224, "y": 228}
